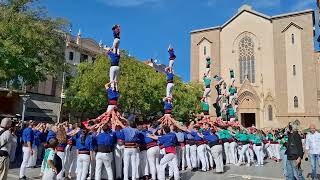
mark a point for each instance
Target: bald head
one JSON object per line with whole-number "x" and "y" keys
{"x": 6, "y": 123}
{"x": 313, "y": 128}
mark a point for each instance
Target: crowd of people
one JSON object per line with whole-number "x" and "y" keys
{"x": 114, "y": 147}
{"x": 135, "y": 149}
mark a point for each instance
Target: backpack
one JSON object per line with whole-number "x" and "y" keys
{"x": 57, "y": 163}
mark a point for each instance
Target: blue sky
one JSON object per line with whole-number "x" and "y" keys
{"x": 149, "y": 26}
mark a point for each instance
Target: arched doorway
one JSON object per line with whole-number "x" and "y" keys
{"x": 248, "y": 109}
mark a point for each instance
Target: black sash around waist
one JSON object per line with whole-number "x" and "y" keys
{"x": 105, "y": 149}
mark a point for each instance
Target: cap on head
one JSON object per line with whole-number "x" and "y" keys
{"x": 6, "y": 122}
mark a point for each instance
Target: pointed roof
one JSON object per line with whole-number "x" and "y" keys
{"x": 291, "y": 24}
{"x": 248, "y": 9}
{"x": 202, "y": 39}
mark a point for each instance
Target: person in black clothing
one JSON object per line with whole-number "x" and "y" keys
{"x": 294, "y": 153}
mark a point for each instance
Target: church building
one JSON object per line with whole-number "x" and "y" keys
{"x": 275, "y": 64}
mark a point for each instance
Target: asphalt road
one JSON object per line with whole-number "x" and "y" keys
{"x": 271, "y": 171}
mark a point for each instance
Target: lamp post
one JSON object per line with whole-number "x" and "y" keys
{"x": 62, "y": 96}
{"x": 25, "y": 98}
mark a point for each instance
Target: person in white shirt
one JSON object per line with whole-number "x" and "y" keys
{"x": 5, "y": 144}
{"x": 313, "y": 149}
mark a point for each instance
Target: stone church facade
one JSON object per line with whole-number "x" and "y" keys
{"x": 275, "y": 64}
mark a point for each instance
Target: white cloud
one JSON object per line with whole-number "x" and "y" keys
{"x": 129, "y": 3}
{"x": 303, "y": 4}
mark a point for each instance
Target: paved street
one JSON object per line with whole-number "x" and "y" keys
{"x": 271, "y": 171}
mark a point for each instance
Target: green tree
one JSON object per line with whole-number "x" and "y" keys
{"x": 142, "y": 90}
{"x": 31, "y": 43}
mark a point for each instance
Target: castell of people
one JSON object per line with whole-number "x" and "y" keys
{"x": 180, "y": 90}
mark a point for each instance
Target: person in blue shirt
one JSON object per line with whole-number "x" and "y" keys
{"x": 35, "y": 144}
{"x": 191, "y": 149}
{"x": 142, "y": 160}
{"x": 51, "y": 133}
{"x": 153, "y": 150}
{"x": 168, "y": 106}
{"x": 181, "y": 149}
{"x": 27, "y": 139}
{"x": 85, "y": 149}
{"x": 172, "y": 57}
{"x": 130, "y": 150}
{"x": 169, "y": 141}
{"x": 170, "y": 76}
{"x": 118, "y": 152}
{"x": 215, "y": 148}
{"x": 113, "y": 96}
{"x": 70, "y": 152}
{"x": 114, "y": 70}
{"x": 105, "y": 141}
{"x": 116, "y": 35}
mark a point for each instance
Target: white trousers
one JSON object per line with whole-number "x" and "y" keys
{"x": 259, "y": 153}
{"x": 269, "y": 149}
{"x": 207, "y": 71}
{"x": 181, "y": 155}
{"x": 188, "y": 156}
{"x": 216, "y": 152}
{"x": 83, "y": 163}
{"x": 33, "y": 158}
{"x": 171, "y": 62}
{"x": 26, "y": 156}
{"x": 143, "y": 167}
{"x": 153, "y": 161}
{"x": 233, "y": 153}
{"x": 276, "y": 150}
{"x": 60, "y": 176}
{"x": 70, "y": 160}
{"x": 118, "y": 157}
{"x": 113, "y": 75}
{"x": 201, "y": 151}
{"x": 227, "y": 152}
{"x": 244, "y": 152}
{"x": 106, "y": 160}
{"x": 169, "y": 89}
{"x": 251, "y": 153}
{"x": 48, "y": 174}
{"x": 209, "y": 157}
{"x": 129, "y": 157}
{"x": 172, "y": 159}
{"x": 206, "y": 92}
{"x": 193, "y": 155}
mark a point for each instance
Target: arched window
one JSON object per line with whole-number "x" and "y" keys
{"x": 247, "y": 59}
{"x": 270, "y": 113}
{"x": 294, "y": 70}
{"x": 295, "y": 102}
{"x": 292, "y": 38}
{"x": 205, "y": 50}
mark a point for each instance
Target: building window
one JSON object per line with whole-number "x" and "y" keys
{"x": 292, "y": 38}
{"x": 70, "y": 56}
{"x": 83, "y": 58}
{"x": 93, "y": 59}
{"x": 270, "y": 113}
{"x": 247, "y": 59}
{"x": 294, "y": 70}
{"x": 295, "y": 102}
{"x": 205, "y": 50}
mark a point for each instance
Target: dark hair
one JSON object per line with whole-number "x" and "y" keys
{"x": 84, "y": 135}
{"x": 166, "y": 129}
{"x": 53, "y": 142}
{"x": 132, "y": 124}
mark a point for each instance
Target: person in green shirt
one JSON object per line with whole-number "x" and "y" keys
{"x": 231, "y": 113}
{"x": 208, "y": 63}
{"x": 257, "y": 147}
{"x": 207, "y": 83}
{"x": 232, "y": 92}
{"x": 224, "y": 135}
{"x": 242, "y": 138}
{"x": 205, "y": 107}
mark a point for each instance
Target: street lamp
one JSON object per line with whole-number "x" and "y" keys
{"x": 62, "y": 96}
{"x": 25, "y": 98}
